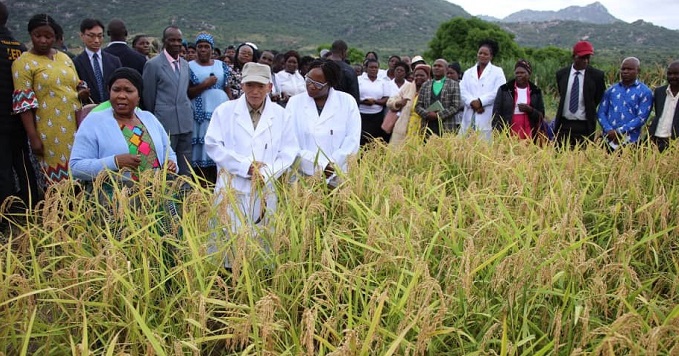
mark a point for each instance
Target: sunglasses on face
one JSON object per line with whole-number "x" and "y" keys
{"x": 317, "y": 85}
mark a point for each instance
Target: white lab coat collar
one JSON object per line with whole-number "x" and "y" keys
{"x": 329, "y": 110}
{"x": 242, "y": 116}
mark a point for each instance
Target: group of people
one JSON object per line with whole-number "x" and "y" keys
{"x": 622, "y": 110}
{"x": 441, "y": 99}
{"x": 242, "y": 121}
{"x": 172, "y": 114}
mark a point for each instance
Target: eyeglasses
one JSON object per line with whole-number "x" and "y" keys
{"x": 95, "y": 35}
{"x": 317, "y": 85}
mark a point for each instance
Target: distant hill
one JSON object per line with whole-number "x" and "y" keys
{"x": 388, "y": 26}
{"x": 617, "y": 40}
{"x": 489, "y": 18}
{"x": 594, "y": 13}
{"x": 613, "y": 39}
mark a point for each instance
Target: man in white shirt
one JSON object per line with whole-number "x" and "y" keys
{"x": 665, "y": 124}
{"x": 581, "y": 88}
{"x": 93, "y": 65}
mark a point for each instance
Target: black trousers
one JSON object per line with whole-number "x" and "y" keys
{"x": 661, "y": 142}
{"x": 573, "y": 133}
{"x": 17, "y": 176}
{"x": 207, "y": 176}
{"x": 371, "y": 128}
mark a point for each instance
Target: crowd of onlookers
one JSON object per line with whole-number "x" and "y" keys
{"x": 241, "y": 118}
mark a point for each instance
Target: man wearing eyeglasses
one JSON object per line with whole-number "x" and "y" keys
{"x": 93, "y": 65}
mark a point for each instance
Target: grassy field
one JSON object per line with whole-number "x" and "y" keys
{"x": 450, "y": 248}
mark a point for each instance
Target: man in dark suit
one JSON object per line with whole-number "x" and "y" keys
{"x": 166, "y": 84}
{"x": 349, "y": 81}
{"x": 581, "y": 88}
{"x": 93, "y": 65}
{"x": 665, "y": 124}
{"x": 119, "y": 48}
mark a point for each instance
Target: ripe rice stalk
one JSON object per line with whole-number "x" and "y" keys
{"x": 476, "y": 248}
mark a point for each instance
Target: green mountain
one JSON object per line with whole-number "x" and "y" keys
{"x": 615, "y": 41}
{"x": 592, "y": 13}
{"x": 394, "y": 26}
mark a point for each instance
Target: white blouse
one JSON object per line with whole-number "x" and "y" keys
{"x": 291, "y": 84}
{"x": 521, "y": 98}
{"x": 374, "y": 90}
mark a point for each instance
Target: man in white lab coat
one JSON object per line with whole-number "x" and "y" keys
{"x": 252, "y": 142}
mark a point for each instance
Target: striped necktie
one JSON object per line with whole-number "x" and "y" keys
{"x": 575, "y": 94}
{"x": 99, "y": 77}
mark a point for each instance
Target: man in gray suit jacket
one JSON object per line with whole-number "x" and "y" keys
{"x": 166, "y": 83}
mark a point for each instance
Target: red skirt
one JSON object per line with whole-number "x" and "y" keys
{"x": 521, "y": 126}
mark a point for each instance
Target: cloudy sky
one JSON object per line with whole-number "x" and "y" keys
{"x": 659, "y": 12}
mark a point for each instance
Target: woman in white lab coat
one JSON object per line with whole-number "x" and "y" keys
{"x": 327, "y": 122}
{"x": 478, "y": 89}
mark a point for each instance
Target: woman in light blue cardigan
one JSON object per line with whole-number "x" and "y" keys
{"x": 122, "y": 136}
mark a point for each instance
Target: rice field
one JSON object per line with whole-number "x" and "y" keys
{"x": 455, "y": 247}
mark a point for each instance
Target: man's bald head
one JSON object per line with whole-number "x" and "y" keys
{"x": 438, "y": 70}
{"x": 632, "y": 60}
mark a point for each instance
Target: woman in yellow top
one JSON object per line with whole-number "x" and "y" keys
{"x": 409, "y": 122}
{"x": 46, "y": 92}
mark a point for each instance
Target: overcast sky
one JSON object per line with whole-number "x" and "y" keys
{"x": 659, "y": 12}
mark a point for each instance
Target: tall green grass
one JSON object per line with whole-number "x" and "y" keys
{"x": 450, "y": 248}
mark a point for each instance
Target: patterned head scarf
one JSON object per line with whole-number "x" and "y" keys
{"x": 205, "y": 37}
{"x": 130, "y": 74}
{"x": 525, "y": 65}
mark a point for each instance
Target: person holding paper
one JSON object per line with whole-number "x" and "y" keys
{"x": 438, "y": 101}
{"x": 409, "y": 122}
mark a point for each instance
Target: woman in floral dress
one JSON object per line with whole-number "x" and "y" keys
{"x": 46, "y": 91}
